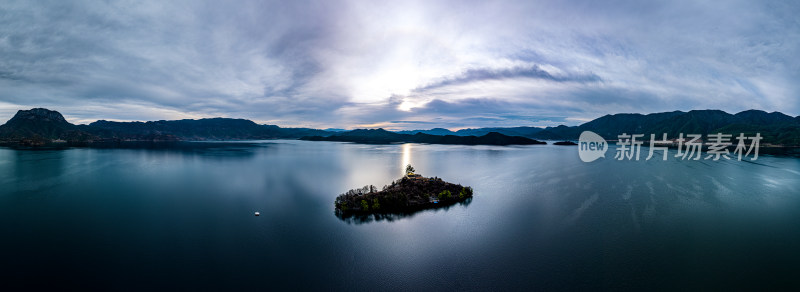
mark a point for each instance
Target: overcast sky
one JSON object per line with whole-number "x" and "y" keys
{"x": 397, "y": 64}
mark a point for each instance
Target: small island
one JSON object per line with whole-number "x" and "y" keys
{"x": 565, "y": 143}
{"x": 410, "y": 193}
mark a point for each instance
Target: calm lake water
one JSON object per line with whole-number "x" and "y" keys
{"x": 182, "y": 218}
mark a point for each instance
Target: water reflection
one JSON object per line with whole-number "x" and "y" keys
{"x": 389, "y": 217}
{"x": 406, "y": 148}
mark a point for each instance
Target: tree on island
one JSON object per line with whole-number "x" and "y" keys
{"x": 446, "y": 194}
{"x": 409, "y": 169}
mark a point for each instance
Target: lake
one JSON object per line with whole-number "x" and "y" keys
{"x": 182, "y": 217}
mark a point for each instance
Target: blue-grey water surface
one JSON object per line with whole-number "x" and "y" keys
{"x": 183, "y": 218}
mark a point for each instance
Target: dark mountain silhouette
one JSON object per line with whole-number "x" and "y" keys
{"x": 434, "y": 131}
{"x": 514, "y": 131}
{"x": 565, "y": 143}
{"x": 38, "y": 126}
{"x": 202, "y": 129}
{"x": 611, "y": 125}
{"x": 775, "y": 127}
{"x": 381, "y": 136}
{"x": 41, "y": 126}
{"x": 757, "y": 117}
{"x": 376, "y": 136}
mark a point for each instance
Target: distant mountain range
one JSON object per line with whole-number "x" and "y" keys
{"x": 39, "y": 126}
{"x": 42, "y": 126}
{"x": 776, "y": 128}
{"x": 381, "y": 136}
{"x": 515, "y": 131}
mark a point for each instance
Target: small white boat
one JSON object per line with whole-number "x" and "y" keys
{"x": 257, "y": 213}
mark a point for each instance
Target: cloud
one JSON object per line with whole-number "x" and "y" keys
{"x": 484, "y": 74}
{"x": 344, "y": 63}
